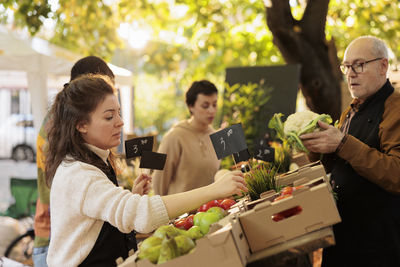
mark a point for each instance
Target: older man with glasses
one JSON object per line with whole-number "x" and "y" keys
{"x": 363, "y": 157}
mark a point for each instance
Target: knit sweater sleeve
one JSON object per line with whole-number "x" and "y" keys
{"x": 162, "y": 178}
{"x": 101, "y": 199}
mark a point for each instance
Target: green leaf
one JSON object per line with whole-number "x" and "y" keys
{"x": 276, "y": 124}
{"x": 314, "y": 124}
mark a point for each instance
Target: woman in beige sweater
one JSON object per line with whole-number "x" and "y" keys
{"x": 191, "y": 160}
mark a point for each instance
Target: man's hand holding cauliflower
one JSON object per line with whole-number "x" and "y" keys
{"x": 306, "y": 131}
{"x": 325, "y": 141}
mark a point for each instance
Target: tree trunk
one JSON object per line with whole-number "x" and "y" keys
{"x": 304, "y": 42}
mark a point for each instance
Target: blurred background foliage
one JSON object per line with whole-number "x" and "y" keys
{"x": 245, "y": 103}
{"x": 170, "y": 43}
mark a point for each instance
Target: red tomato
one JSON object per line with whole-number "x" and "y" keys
{"x": 288, "y": 190}
{"x": 206, "y": 206}
{"x": 189, "y": 221}
{"x": 219, "y": 201}
{"x": 291, "y": 212}
{"x": 281, "y": 197}
{"x": 286, "y": 213}
{"x": 298, "y": 210}
{"x": 184, "y": 223}
{"x": 298, "y": 187}
{"x": 278, "y": 217}
{"x": 180, "y": 223}
{"x": 227, "y": 203}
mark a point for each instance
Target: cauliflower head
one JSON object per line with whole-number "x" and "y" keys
{"x": 297, "y": 121}
{"x": 297, "y": 124}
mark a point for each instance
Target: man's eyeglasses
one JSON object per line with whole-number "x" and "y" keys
{"x": 357, "y": 67}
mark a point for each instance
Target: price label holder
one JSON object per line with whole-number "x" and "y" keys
{"x": 228, "y": 141}
{"x": 264, "y": 152}
{"x": 243, "y": 155}
{"x": 152, "y": 160}
{"x": 135, "y": 147}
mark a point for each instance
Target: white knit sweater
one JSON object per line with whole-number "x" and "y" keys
{"x": 82, "y": 198}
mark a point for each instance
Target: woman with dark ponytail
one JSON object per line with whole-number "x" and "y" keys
{"x": 90, "y": 214}
{"x": 72, "y": 106}
{"x": 85, "y": 65}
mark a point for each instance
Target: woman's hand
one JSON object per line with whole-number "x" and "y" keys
{"x": 142, "y": 184}
{"x": 220, "y": 173}
{"x": 230, "y": 183}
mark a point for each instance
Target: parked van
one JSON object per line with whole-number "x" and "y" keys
{"x": 18, "y": 138}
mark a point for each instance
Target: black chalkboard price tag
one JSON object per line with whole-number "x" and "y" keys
{"x": 228, "y": 141}
{"x": 220, "y": 144}
{"x": 236, "y": 138}
{"x": 135, "y": 147}
{"x": 243, "y": 155}
{"x": 264, "y": 152}
{"x": 152, "y": 160}
{"x": 261, "y": 142}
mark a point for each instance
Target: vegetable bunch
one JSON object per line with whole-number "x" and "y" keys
{"x": 297, "y": 124}
{"x": 281, "y": 156}
{"x": 261, "y": 178}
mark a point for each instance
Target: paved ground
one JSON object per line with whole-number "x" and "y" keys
{"x": 8, "y": 169}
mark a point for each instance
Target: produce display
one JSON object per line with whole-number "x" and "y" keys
{"x": 168, "y": 242}
{"x": 171, "y": 241}
{"x": 297, "y": 124}
{"x": 303, "y": 205}
{"x": 204, "y": 219}
{"x": 222, "y": 203}
{"x": 260, "y": 178}
{"x": 297, "y": 206}
{"x": 184, "y": 223}
{"x": 282, "y": 156}
{"x": 187, "y": 222}
{"x": 286, "y": 192}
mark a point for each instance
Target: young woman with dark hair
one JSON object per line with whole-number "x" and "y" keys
{"x": 89, "y": 213}
{"x": 85, "y": 65}
{"x": 191, "y": 161}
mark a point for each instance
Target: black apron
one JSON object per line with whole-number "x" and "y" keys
{"x": 111, "y": 243}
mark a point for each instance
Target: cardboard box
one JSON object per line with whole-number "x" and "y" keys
{"x": 296, "y": 247}
{"x": 303, "y": 174}
{"x": 300, "y": 159}
{"x": 225, "y": 247}
{"x": 318, "y": 210}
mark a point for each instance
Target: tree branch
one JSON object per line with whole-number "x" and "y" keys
{"x": 279, "y": 15}
{"x": 314, "y": 19}
{"x": 283, "y": 27}
{"x": 304, "y": 42}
